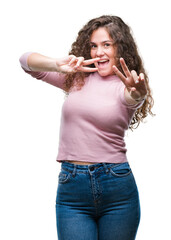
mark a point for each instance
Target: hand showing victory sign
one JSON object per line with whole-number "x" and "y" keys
{"x": 135, "y": 84}
{"x": 72, "y": 63}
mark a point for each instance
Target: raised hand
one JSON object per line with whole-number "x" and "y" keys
{"x": 73, "y": 64}
{"x": 135, "y": 84}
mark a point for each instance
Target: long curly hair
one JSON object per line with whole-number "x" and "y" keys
{"x": 125, "y": 48}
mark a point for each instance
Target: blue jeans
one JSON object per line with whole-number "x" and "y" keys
{"x": 97, "y": 202}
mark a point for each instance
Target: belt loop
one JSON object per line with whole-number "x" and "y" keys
{"x": 74, "y": 171}
{"x": 105, "y": 167}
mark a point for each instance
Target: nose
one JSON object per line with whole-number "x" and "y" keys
{"x": 99, "y": 52}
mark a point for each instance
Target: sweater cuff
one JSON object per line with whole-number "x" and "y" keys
{"x": 132, "y": 106}
{"x": 23, "y": 61}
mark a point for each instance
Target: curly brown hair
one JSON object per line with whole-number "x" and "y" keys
{"x": 126, "y": 48}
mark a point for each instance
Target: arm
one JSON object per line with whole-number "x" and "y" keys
{"x": 130, "y": 100}
{"x": 52, "y": 70}
{"x": 40, "y": 63}
{"x": 32, "y": 68}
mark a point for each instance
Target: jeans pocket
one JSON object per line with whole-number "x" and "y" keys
{"x": 121, "y": 170}
{"x": 64, "y": 176}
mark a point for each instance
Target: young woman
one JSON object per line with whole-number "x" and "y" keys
{"x": 107, "y": 92}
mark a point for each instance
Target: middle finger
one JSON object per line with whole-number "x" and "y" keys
{"x": 90, "y": 61}
{"x": 79, "y": 61}
{"x": 135, "y": 76}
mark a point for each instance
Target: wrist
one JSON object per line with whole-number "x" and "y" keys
{"x": 130, "y": 99}
{"x": 52, "y": 65}
{"x": 140, "y": 99}
{"x": 57, "y": 64}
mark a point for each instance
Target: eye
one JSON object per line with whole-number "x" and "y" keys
{"x": 107, "y": 45}
{"x": 93, "y": 46}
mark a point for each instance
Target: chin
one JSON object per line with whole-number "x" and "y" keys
{"x": 105, "y": 74}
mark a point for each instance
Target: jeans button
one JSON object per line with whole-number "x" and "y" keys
{"x": 92, "y": 168}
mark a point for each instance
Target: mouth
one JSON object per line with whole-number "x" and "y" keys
{"x": 102, "y": 63}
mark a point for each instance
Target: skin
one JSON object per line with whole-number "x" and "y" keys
{"x": 135, "y": 85}
{"x": 76, "y": 64}
{"x": 38, "y": 62}
{"x": 102, "y": 46}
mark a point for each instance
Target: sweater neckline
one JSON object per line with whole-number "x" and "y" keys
{"x": 106, "y": 78}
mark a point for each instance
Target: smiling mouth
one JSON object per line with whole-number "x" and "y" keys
{"x": 102, "y": 63}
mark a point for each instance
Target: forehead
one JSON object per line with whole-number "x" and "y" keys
{"x": 100, "y": 35}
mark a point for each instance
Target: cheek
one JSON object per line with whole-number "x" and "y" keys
{"x": 92, "y": 54}
{"x": 112, "y": 61}
{"x": 112, "y": 58}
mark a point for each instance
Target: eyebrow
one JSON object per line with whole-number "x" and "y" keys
{"x": 102, "y": 42}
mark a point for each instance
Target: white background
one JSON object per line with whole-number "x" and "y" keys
{"x": 31, "y": 111}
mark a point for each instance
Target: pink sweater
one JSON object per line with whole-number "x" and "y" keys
{"x": 93, "y": 120}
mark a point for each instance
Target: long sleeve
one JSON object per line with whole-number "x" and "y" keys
{"x": 54, "y": 78}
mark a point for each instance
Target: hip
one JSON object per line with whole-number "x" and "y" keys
{"x": 97, "y": 185}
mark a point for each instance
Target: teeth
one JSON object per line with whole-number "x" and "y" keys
{"x": 103, "y": 60}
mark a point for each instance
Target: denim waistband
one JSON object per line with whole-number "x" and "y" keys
{"x": 73, "y": 168}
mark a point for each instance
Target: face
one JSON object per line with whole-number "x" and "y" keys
{"x": 102, "y": 46}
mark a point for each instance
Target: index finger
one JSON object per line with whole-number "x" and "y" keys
{"x": 125, "y": 68}
{"x": 90, "y": 61}
{"x": 119, "y": 74}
